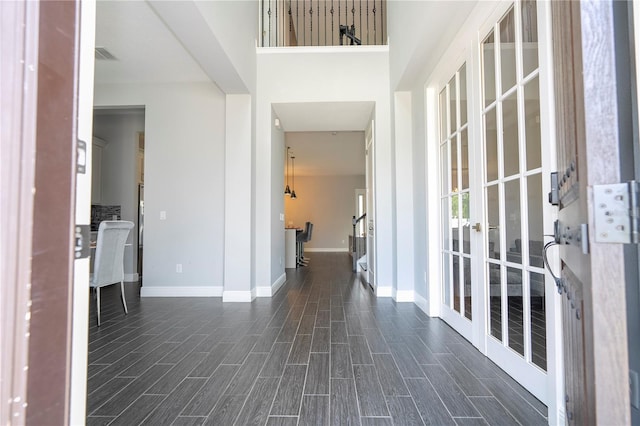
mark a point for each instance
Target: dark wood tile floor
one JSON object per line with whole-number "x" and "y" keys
{"x": 322, "y": 351}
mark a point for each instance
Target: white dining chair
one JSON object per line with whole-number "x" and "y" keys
{"x": 108, "y": 267}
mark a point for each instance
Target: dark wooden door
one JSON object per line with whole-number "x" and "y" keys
{"x": 588, "y": 154}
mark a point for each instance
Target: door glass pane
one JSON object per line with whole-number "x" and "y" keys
{"x": 453, "y": 96}
{"x": 491, "y": 144}
{"x": 466, "y": 226}
{"x": 529, "y": 36}
{"x": 445, "y": 224}
{"x": 467, "y": 288}
{"x": 443, "y": 115}
{"x": 508, "y": 51}
{"x": 532, "y": 123}
{"x": 495, "y": 302}
{"x": 444, "y": 166}
{"x": 456, "y": 283}
{"x": 493, "y": 217}
{"x": 446, "y": 273}
{"x": 464, "y": 158}
{"x": 489, "y": 68}
{"x": 514, "y": 307}
{"x": 510, "y": 135}
{"x": 535, "y": 200}
{"x": 538, "y": 320}
{"x": 463, "y": 95}
{"x": 512, "y": 221}
{"x": 454, "y": 164}
{"x": 455, "y": 223}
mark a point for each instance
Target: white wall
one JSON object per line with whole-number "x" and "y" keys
{"x": 329, "y": 202}
{"x": 119, "y": 180}
{"x": 315, "y": 76}
{"x": 184, "y": 177}
{"x": 235, "y": 25}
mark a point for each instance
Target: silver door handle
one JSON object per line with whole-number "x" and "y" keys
{"x": 477, "y": 227}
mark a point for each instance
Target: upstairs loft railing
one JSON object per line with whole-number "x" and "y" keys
{"x": 323, "y": 22}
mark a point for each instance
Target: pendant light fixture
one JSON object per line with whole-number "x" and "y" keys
{"x": 287, "y": 191}
{"x": 293, "y": 178}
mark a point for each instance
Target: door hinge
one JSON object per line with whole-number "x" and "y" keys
{"x": 83, "y": 241}
{"x": 616, "y": 212}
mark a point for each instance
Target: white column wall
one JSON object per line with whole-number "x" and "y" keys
{"x": 405, "y": 231}
{"x": 237, "y": 201}
{"x": 324, "y": 75}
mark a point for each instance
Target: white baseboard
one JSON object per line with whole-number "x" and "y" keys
{"x": 238, "y": 296}
{"x": 327, "y": 250}
{"x": 157, "y": 291}
{"x": 131, "y": 277}
{"x": 404, "y": 296}
{"x": 270, "y": 291}
{"x": 384, "y": 291}
{"x": 421, "y": 302}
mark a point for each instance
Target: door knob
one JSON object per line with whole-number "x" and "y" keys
{"x": 477, "y": 227}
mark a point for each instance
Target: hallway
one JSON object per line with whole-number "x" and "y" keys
{"x": 323, "y": 350}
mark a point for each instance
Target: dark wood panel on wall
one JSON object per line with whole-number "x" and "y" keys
{"x": 52, "y": 273}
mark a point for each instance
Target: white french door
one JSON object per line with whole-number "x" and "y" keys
{"x": 493, "y": 197}
{"x": 455, "y": 194}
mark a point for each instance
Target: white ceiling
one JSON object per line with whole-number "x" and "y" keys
{"x": 145, "y": 49}
{"x": 327, "y": 153}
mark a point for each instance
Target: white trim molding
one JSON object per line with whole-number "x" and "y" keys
{"x": 327, "y": 250}
{"x": 157, "y": 291}
{"x": 238, "y": 296}
{"x": 270, "y": 291}
{"x": 384, "y": 291}
{"x": 421, "y": 303}
{"x": 404, "y": 296}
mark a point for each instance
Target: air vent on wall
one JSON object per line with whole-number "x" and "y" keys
{"x": 104, "y": 55}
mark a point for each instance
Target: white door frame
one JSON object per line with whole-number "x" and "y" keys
{"x": 466, "y": 47}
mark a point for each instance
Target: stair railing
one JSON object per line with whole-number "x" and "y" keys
{"x": 359, "y": 242}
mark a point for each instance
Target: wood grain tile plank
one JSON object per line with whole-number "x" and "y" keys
{"x": 462, "y": 376}
{"x": 287, "y": 401}
{"x": 492, "y": 411}
{"x": 321, "y": 340}
{"x": 300, "y": 350}
{"x": 341, "y": 361}
{"x": 247, "y": 374}
{"x": 390, "y": 377}
{"x": 317, "y": 382}
{"x": 404, "y": 411}
{"x": 132, "y": 391}
{"x": 204, "y": 401}
{"x": 520, "y": 409}
{"x": 274, "y": 366}
{"x": 136, "y": 412}
{"x": 450, "y": 393}
{"x": 256, "y": 408}
{"x": 369, "y": 391}
{"x": 359, "y": 349}
{"x": 343, "y": 402}
{"x": 226, "y": 410}
{"x": 428, "y": 402}
{"x": 175, "y": 402}
{"x": 314, "y": 411}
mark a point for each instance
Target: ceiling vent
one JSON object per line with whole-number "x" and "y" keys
{"x": 102, "y": 54}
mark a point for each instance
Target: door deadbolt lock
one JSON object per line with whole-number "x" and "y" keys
{"x": 477, "y": 227}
